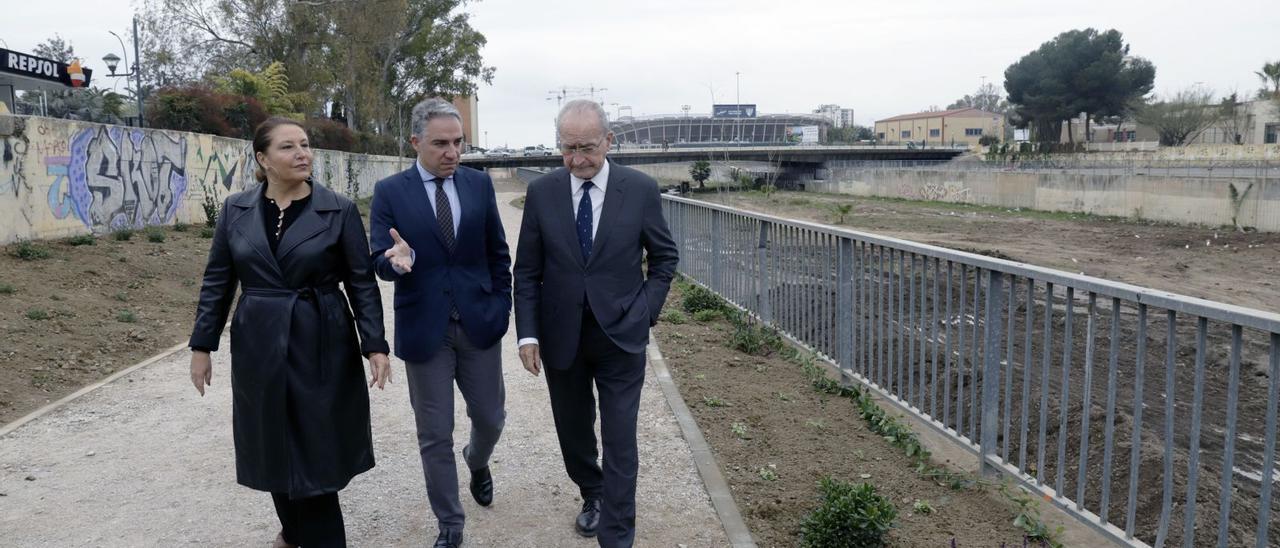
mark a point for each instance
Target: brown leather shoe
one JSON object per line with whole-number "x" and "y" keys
{"x": 280, "y": 543}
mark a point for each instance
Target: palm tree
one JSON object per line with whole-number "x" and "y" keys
{"x": 1270, "y": 75}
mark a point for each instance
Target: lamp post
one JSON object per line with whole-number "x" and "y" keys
{"x": 135, "y": 70}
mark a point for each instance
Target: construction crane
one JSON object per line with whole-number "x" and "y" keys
{"x": 566, "y": 93}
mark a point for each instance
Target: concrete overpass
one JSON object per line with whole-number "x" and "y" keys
{"x": 790, "y": 157}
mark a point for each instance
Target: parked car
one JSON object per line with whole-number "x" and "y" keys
{"x": 536, "y": 151}
{"x": 498, "y": 153}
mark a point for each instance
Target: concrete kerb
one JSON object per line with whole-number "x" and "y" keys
{"x": 703, "y": 458}
{"x": 6, "y": 429}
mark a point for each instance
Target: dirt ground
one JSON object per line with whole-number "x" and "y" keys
{"x": 108, "y": 305}
{"x": 802, "y": 436}
{"x": 1210, "y": 263}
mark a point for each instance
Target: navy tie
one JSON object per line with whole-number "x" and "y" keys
{"x": 584, "y": 221}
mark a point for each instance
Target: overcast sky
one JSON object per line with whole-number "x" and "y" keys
{"x": 879, "y": 58}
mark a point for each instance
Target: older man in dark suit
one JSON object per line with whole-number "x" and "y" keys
{"x": 584, "y": 306}
{"x": 453, "y": 303}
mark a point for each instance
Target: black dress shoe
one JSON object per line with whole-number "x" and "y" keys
{"x": 589, "y": 519}
{"x": 448, "y": 539}
{"x": 482, "y": 486}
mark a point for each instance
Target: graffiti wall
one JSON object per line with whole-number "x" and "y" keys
{"x": 60, "y": 178}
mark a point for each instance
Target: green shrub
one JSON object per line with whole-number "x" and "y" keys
{"x": 7, "y": 289}
{"x": 849, "y": 516}
{"x": 82, "y": 239}
{"x": 126, "y": 316}
{"x": 206, "y": 232}
{"x": 698, "y": 298}
{"x": 674, "y": 317}
{"x": 155, "y": 234}
{"x": 181, "y": 227}
{"x": 122, "y": 297}
{"x": 751, "y": 338}
{"x": 123, "y": 234}
{"x": 37, "y": 314}
{"x": 28, "y": 251}
{"x": 707, "y": 315}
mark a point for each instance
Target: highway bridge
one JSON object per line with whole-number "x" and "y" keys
{"x": 810, "y": 157}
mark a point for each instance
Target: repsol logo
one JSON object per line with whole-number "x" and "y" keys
{"x": 32, "y": 65}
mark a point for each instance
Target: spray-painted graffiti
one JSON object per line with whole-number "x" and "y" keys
{"x": 231, "y": 171}
{"x": 59, "y": 191}
{"x": 12, "y": 154}
{"x": 950, "y": 191}
{"x": 126, "y": 178}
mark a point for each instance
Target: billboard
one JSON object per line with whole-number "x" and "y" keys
{"x": 803, "y": 134}
{"x": 733, "y": 111}
{"x": 47, "y": 70}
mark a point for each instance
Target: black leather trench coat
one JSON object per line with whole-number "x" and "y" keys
{"x": 301, "y": 405}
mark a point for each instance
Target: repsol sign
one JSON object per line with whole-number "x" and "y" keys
{"x": 22, "y": 64}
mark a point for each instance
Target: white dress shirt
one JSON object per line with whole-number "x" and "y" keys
{"x": 599, "y": 183}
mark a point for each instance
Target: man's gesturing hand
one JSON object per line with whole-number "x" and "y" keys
{"x": 400, "y": 254}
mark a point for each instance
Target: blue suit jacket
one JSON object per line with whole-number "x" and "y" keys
{"x": 475, "y": 276}
{"x": 553, "y": 283}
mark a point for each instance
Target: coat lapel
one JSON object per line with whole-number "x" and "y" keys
{"x": 249, "y": 225}
{"x": 309, "y": 222}
{"x": 613, "y": 198}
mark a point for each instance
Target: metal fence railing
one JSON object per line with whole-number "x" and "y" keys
{"x": 1148, "y": 415}
{"x": 1080, "y": 164}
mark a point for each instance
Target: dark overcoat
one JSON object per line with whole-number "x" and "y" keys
{"x": 301, "y": 406}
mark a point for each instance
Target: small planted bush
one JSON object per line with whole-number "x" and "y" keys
{"x": 122, "y": 235}
{"x": 206, "y": 233}
{"x": 126, "y": 316}
{"x": 37, "y": 314}
{"x": 751, "y": 338}
{"x": 698, "y": 298}
{"x": 674, "y": 317}
{"x": 849, "y": 516}
{"x": 7, "y": 289}
{"x": 707, "y": 315}
{"x": 155, "y": 234}
{"x": 181, "y": 227}
{"x": 28, "y": 251}
{"x": 82, "y": 239}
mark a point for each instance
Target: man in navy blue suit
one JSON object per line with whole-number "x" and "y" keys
{"x": 585, "y": 300}
{"x": 435, "y": 231}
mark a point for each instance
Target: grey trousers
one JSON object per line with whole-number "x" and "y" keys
{"x": 478, "y": 372}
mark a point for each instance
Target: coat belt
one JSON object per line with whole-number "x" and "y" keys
{"x": 306, "y": 294}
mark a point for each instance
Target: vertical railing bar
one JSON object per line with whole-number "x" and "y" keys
{"x": 974, "y": 401}
{"x": 1028, "y": 321}
{"x": 901, "y": 279}
{"x": 1086, "y": 400}
{"x": 1108, "y": 434}
{"x": 878, "y": 339}
{"x": 991, "y": 374}
{"x": 1135, "y": 454}
{"x": 1007, "y": 421}
{"x": 1047, "y": 357}
{"x": 1193, "y": 447}
{"x": 946, "y": 381}
{"x": 892, "y": 327}
{"x": 1269, "y": 452}
{"x": 860, "y": 295}
{"x": 922, "y": 335}
{"x": 1229, "y": 445}
{"x": 964, "y": 279}
{"x": 933, "y": 335}
{"x": 1067, "y": 344}
{"x": 1171, "y": 351}
{"x": 911, "y": 331}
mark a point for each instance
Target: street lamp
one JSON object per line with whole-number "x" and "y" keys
{"x": 135, "y": 70}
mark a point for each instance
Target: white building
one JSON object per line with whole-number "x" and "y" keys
{"x": 840, "y": 117}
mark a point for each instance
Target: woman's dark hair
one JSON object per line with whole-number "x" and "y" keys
{"x": 262, "y": 140}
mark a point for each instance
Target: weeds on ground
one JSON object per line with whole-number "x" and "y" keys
{"x": 155, "y": 234}
{"x": 1028, "y": 518}
{"x": 922, "y": 507}
{"x": 750, "y": 337}
{"x": 768, "y": 473}
{"x": 739, "y": 430}
{"x": 122, "y": 235}
{"x": 698, "y": 299}
{"x": 28, "y": 251}
{"x": 82, "y": 239}
{"x": 122, "y": 297}
{"x": 712, "y": 401}
{"x": 704, "y": 316}
{"x": 674, "y": 317}
{"x": 206, "y": 233}
{"x": 849, "y": 515}
{"x": 38, "y": 314}
{"x": 126, "y": 316}
{"x": 7, "y": 289}
{"x": 181, "y": 227}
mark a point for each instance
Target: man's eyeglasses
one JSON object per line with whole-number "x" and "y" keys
{"x": 583, "y": 150}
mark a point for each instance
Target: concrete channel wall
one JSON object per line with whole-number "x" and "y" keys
{"x": 61, "y": 178}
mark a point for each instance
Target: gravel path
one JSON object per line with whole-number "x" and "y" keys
{"x": 144, "y": 461}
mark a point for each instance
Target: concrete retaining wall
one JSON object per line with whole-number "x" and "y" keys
{"x": 1188, "y": 200}
{"x": 60, "y": 178}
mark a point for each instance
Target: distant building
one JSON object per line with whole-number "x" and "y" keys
{"x": 840, "y": 117}
{"x": 726, "y": 124}
{"x": 944, "y": 127}
{"x": 469, "y": 108}
{"x": 1257, "y": 123}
